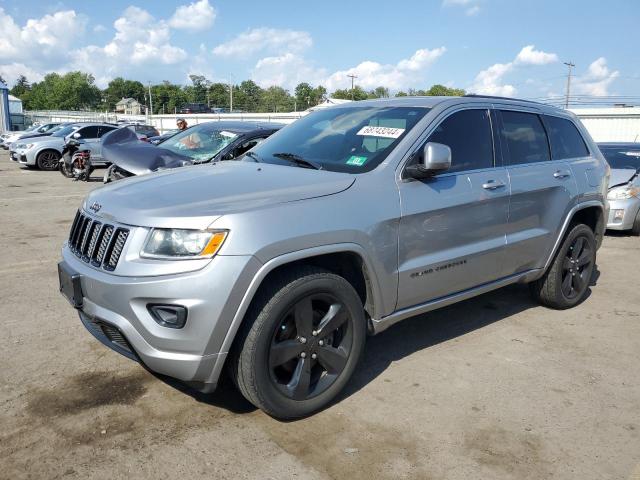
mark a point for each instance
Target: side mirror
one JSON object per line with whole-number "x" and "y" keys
{"x": 433, "y": 159}
{"x": 76, "y": 135}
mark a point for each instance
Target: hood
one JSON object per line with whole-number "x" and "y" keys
{"x": 195, "y": 196}
{"x": 621, "y": 176}
{"x": 123, "y": 148}
{"x": 48, "y": 138}
{"x": 34, "y": 136}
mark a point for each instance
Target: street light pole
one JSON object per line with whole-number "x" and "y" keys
{"x": 570, "y": 65}
{"x": 352, "y": 77}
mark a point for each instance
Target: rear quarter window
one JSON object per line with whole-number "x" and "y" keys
{"x": 565, "y": 139}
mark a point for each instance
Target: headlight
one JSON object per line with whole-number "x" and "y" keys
{"x": 183, "y": 244}
{"x": 624, "y": 192}
{"x": 24, "y": 146}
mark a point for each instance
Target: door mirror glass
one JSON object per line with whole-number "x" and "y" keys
{"x": 433, "y": 159}
{"x": 76, "y": 135}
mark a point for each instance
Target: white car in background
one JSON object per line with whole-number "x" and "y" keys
{"x": 45, "y": 152}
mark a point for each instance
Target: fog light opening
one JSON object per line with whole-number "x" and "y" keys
{"x": 170, "y": 316}
{"x": 618, "y": 215}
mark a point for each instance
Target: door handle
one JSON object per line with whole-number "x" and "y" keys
{"x": 561, "y": 174}
{"x": 492, "y": 185}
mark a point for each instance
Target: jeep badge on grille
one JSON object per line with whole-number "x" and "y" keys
{"x": 95, "y": 207}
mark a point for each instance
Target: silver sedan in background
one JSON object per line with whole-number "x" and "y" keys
{"x": 624, "y": 185}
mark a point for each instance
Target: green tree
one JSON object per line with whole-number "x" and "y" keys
{"x": 318, "y": 94}
{"x": 119, "y": 88}
{"x": 304, "y": 95}
{"x": 276, "y": 99}
{"x": 346, "y": 94}
{"x": 219, "y": 95}
{"x": 197, "y": 91}
{"x": 167, "y": 97}
{"x": 380, "y": 92}
{"x": 247, "y": 96}
{"x": 20, "y": 88}
{"x": 401, "y": 94}
{"x": 71, "y": 91}
{"x": 442, "y": 91}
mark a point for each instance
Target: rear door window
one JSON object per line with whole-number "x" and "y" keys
{"x": 565, "y": 139}
{"x": 468, "y": 134}
{"x": 524, "y": 138}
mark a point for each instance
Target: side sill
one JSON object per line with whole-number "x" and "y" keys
{"x": 377, "y": 326}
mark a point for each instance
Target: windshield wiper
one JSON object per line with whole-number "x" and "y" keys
{"x": 298, "y": 160}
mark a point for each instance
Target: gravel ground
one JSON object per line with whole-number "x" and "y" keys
{"x": 495, "y": 387}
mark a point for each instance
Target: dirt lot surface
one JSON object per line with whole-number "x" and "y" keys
{"x": 492, "y": 388}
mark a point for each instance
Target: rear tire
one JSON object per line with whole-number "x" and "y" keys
{"x": 48, "y": 160}
{"x": 567, "y": 281}
{"x": 300, "y": 342}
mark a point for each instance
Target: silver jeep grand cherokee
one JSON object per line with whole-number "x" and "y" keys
{"x": 341, "y": 224}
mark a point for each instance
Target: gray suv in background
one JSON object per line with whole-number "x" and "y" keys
{"x": 343, "y": 223}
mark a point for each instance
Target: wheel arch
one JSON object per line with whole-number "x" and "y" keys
{"x": 46, "y": 149}
{"x": 591, "y": 213}
{"x": 346, "y": 259}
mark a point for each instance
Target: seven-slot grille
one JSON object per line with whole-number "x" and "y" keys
{"x": 97, "y": 243}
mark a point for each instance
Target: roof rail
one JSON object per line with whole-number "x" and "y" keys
{"x": 501, "y": 98}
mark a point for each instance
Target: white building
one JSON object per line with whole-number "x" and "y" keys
{"x": 619, "y": 124}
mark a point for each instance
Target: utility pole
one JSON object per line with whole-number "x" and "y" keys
{"x": 570, "y": 65}
{"x": 352, "y": 77}
{"x": 150, "y": 100}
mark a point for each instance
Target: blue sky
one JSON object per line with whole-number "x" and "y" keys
{"x": 486, "y": 46}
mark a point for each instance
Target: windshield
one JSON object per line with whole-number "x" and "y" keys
{"x": 622, "y": 157}
{"x": 64, "y": 131}
{"x": 57, "y": 128}
{"x": 200, "y": 143}
{"x": 346, "y": 139}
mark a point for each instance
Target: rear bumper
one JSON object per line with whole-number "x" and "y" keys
{"x": 622, "y": 213}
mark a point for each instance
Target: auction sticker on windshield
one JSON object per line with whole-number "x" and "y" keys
{"x": 385, "y": 132}
{"x": 356, "y": 160}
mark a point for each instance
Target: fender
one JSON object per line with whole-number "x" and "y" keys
{"x": 267, "y": 268}
{"x": 565, "y": 226}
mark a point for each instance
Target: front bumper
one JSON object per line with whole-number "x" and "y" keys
{"x": 190, "y": 354}
{"x": 622, "y": 213}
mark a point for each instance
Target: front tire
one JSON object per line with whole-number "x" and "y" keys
{"x": 48, "y": 160}
{"x": 635, "y": 230}
{"x": 300, "y": 343}
{"x": 566, "y": 282}
{"x": 66, "y": 170}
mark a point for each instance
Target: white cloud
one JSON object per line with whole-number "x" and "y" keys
{"x": 271, "y": 40}
{"x": 530, "y": 56}
{"x": 373, "y": 74}
{"x": 10, "y": 72}
{"x": 471, "y": 7}
{"x": 286, "y": 71}
{"x": 41, "y": 38}
{"x": 490, "y": 81}
{"x": 139, "y": 40}
{"x": 195, "y": 17}
{"x": 99, "y": 28}
{"x": 597, "y": 79}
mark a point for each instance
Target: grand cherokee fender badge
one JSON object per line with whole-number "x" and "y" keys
{"x": 95, "y": 207}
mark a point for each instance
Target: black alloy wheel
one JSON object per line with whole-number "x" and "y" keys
{"x": 310, "y": 347}
{"x": 576, "y": 268}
